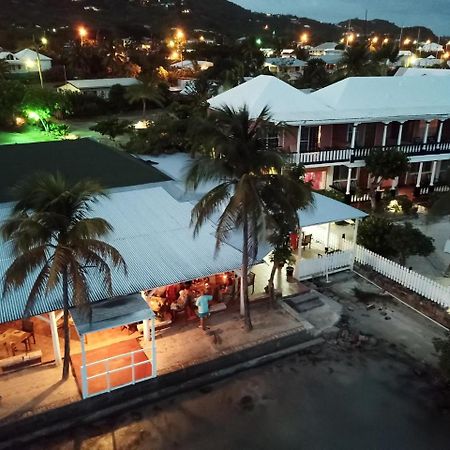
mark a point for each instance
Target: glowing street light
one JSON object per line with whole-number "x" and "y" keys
{"x": 82, "y": 32}
{"x": 304, "y": 38}
{"x": 375, "y": 40}
{"x": 171, "y": 44}
{"x": 350, "y": 38}
{"x": 407, "y": 41}
{"x": 180, "y": 34}
{"x": 385, "y": 40}
{"x": 44, "y": 40}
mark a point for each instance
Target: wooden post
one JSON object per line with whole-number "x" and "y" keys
{"x": 145, "y": 325}
{"x": 400, "y": 134}
{"x": 427, "y": 131}
{"x": 385, "y": 130}
{"x": 355, "y": 237}
{"x": 55, "y": 338}
{"x": 299, "y": 136}
{"x": 84, "y": 382}
{"x": 154, "y": 367}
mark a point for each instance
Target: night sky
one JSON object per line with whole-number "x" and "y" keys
{"x": 434, "y": 14}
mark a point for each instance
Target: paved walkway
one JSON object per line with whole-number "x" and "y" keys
{"x": 34, "y": 390}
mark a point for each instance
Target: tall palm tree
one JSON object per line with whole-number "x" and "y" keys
{"x": 147, "y": 91}
{"x": 4, "y": 69}
{"x": 54, "y": 240}
{"x": 252, "y": 186}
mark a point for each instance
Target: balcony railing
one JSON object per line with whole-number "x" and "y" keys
{"x": 357, "y": 154}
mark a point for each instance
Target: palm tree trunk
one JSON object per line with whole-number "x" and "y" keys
{"x": 244, "y": 279}
{"x": 144, "y": 107}
{"x": 271, "y": 284}
{"x": 66, "y": 364}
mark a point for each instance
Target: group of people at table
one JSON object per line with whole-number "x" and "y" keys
{"x": 192, "y": 297}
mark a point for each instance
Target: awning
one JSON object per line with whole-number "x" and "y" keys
{"x": 111, "y": 313}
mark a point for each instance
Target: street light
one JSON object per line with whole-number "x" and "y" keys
{"x": 304, "y": 38}
{"x": 82, "y": 32}
{"x": 44, "y": 40}
{"x": 375, "y": 40}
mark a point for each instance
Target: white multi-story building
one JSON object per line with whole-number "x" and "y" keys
{"x": 332, "y": 130}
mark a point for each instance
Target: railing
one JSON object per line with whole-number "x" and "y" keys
{"x": 108, "y": 371}
{"x": 420, "y": 284}
{"x": 343, "y": 259}
{"x": 358, "y": 154}
{"x": 325, "y": 156}
{"x": 325, "y": 265}
{"x": 441, "y": 188}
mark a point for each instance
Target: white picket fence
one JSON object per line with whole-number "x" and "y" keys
{"x": 310, "y": 268}
{"x": 414, "y": 281}
{"x": 325, "y": 265}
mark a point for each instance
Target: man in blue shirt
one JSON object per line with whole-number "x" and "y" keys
{"x": 202, "y": 304}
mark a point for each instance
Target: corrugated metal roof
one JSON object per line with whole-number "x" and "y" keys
{"x": 111, "y": 313}
{"x": 151, "y": 231}
{"x": 103, "y": 83}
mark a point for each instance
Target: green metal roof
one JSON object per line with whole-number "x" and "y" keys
{"x": 76, "y": 160}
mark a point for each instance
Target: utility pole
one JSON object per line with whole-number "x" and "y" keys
{"x": 38, "y": 60}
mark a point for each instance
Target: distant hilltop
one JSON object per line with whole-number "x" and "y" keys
{"x": 138, "y": 18}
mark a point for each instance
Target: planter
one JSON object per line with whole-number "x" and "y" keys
{"x": 289, "y": 271}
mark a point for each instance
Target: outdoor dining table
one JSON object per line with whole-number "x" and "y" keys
{"x": 11, "y": 337}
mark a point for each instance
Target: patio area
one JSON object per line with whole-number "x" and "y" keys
{"x": 37, "y": 389}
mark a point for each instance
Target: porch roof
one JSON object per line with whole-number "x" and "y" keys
{"x": 152, "y": 232}
{"x": 111, "y": 313}
{"x": 326, "y": 209}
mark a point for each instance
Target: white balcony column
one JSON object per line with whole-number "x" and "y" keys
{"x": 354, "y": 130}
{"x": 299, "y": 136}
{"x": 433, "y": 173}
{"x": 419, "y": 175}
{"x": 385, "y": 130}
{"x": 427, "y": 131}
{"x": 241, "y": 292}
{"x": 400, "y": 133}
{"x": 439, "y": 135}
{"x": 349, "y": 180}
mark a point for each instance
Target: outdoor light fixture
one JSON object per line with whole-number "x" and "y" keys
{"x": 44, "y": 40}
{"x": 180, "y": 34}
{"x": 258, "y": 41}
{"x": 407, "y": 41}
{"x": 20, "y": 121}
{"x": 304, "y": 38}
{"x": 29, "y": 63}
{"x": 375, "y": 40}
{"x": 33, "y": 115}
{"x": 82, "y": 32}
{"x": 385, "y": 40}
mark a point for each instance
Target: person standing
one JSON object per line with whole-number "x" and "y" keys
{"x": 202, "y": 304}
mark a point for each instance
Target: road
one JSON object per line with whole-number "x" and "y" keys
{"x": 381, "y": 395}
{"x": 333, "y": 400}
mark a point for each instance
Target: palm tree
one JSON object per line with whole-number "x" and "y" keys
{"x": 54, "y": 240}
{"x": 4, "y": 69}
{"x": 357, "y": 62}
{"x": 148, "y": 90}
{"x": 251, "y": 188}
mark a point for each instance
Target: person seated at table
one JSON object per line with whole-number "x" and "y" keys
{"x": 172, "y": 293}
{"x": 182, "y": 300}
{"x": 202, "y": 304}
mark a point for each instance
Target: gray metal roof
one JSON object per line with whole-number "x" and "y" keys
{"x": 152, "y": 232}
{"x": 111, "y": 313}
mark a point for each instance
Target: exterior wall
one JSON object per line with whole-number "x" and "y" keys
{"x": 290, "y": 139}
{"x": 340, "y": 136}
{"x": 326, "y": 136}
{"x": 317, "y": 177}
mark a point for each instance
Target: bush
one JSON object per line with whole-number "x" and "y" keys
{"x": 86, "y": 105}
{"x": 334, "y": 194}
